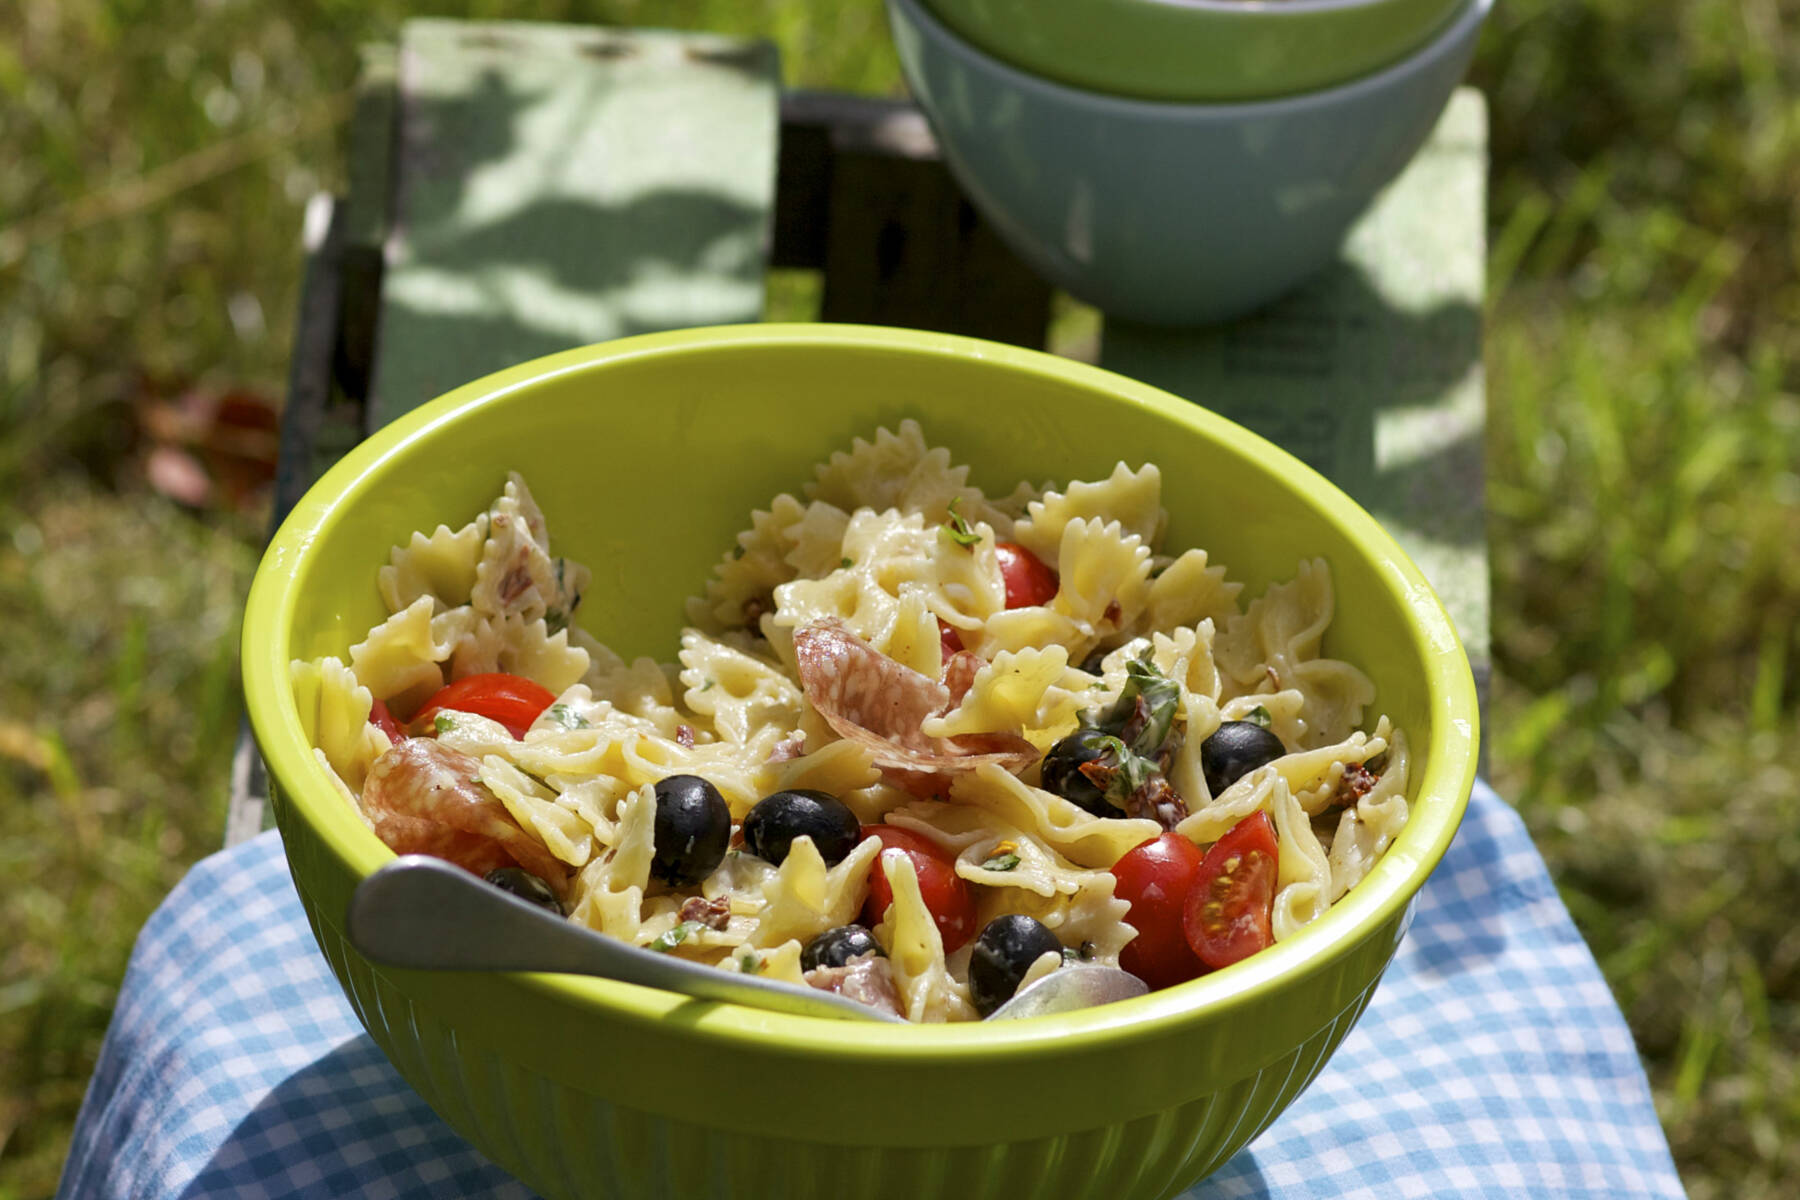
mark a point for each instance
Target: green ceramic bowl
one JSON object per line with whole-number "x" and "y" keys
{"x": 1198, "y": 49}
{"x": 647, "y": 455}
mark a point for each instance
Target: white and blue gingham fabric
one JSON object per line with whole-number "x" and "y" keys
{"x": 235, "y": 1068}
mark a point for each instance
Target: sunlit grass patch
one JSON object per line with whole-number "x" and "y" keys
{"x": 118, "y": 708}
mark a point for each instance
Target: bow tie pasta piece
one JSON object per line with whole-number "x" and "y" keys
{"x": 442, "y": 566}
{"x": 518, "y": 646}
{"x": 1275, "y": 645}
{"x": 899, "y": 471}
{"x": 1028, "y": 693}
{"x": 744, "y": 580}
{"x": 1133, "y": 499}
{"x": 1190, "y": 590}
{"x": 334, "y": 711}
{"x": 517, "y": 576}
{"x": 928, "y": 991}
{"x": 404, "y": 655}
{"x": 738, "y": 691}
{"x": 608, "y": 894}
{"x": 804, "y": 898}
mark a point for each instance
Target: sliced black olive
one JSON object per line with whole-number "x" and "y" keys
{"x": 693, "y": 828}
{"x": 525, "y": 886}
{"x": 836, "y": 947}
{"x": 1003, "y": 953}
{"x": 1235, "y": 749}
{"x": 778, "y": 819}
{"x": 1062, "y": 775}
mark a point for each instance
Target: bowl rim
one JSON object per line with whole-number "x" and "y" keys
{"x": 1232, "y": 9}
{"x": 1385, "y": 895}
{"x": 1445, "y": 42}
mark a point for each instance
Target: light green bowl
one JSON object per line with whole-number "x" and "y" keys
{"x": 647, "y": 455}
{"x": 1212, "y": 50}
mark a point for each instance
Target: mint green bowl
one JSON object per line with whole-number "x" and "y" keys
{"x": 647, "y": 455}
{"x": 1214, "y": 50}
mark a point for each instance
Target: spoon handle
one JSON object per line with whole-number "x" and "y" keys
{"x": 426, "y": 914}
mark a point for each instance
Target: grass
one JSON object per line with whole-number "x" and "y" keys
{"x": 1644, "y": 483}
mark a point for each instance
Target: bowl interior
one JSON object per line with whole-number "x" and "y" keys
{"x": 648, "y": 455}
{"x": 1198, "y": 50}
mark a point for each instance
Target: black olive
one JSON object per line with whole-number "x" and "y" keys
{"x": 1235, "y": 749}
{"x": 836, "y": 947}
{"x": 1003, "y": 953}
{"x": 777, "y": 820}
{"x": 1062, "y": 775}
{"x": 525, "y": 886}
{"x": 693, "y": 827}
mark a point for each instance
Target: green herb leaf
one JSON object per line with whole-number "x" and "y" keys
{"x": 1162, "y": 699}
{"x": 1001, "y": 862}
{"x": 709, "y": 685}
{"x": 567, "y": 717}
{"x": 675, "y": 936}
{"x": 1259, "y": 716}
{"x": 749, "y": 964}
{"x": 957, "y": 527}
{"x": 737, "y": 551}
{"x": 846, "y": 563}
{"x": 443, "y": 723}
{"x": 555, "y": 620}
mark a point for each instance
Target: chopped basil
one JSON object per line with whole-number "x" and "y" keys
{"x": 737, "y": 551}
{"x": 556, "y": 620}
{"x": 1001, "y": 862}
{"x": 709, "y": 685}
{"x": 846, "y": 563}
{"x": 675, "y": 936}
{"x": 443, "y": 723}
{"x": 1259, "y": 716}
{"x": 567, "y": 717}
{"x": 957, "y": 527}
{"x": 749, "y": 964}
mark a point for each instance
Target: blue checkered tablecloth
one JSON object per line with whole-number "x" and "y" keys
{"x": 235, "y": 1068}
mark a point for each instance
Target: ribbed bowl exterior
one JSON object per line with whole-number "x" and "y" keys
{"x": 567, "y": 1142}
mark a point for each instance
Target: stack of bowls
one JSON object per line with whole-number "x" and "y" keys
{"x": 1180, "y": 161}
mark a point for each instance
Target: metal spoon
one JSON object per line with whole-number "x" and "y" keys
{"x": 424, "y": 913}
{"x": 1077, "y": 985}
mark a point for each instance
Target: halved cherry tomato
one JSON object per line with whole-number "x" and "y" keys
{"x": 1028, "y": 581}
{"x": 949, "y": 641}
{"x": 382, "y": 719}
{"x": 946, "y": 894}
{"x": 1231, "y": 905}
{"x": 512, "y": 700}
{"x": 1155, "y": 879}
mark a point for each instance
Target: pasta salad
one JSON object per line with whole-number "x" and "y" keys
{"x": 919, "y": 745}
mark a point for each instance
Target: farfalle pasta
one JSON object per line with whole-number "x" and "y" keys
{"x": 912, "y": 736}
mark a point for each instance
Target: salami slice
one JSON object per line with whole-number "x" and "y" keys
{"x": 425, "y": 798}
{"x": 871, "y": 699}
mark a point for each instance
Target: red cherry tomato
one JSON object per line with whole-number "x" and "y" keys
{"x": 1231, "y": 905}
{"x": 382, "y": 719}
{"x": 512, "y": 700}
{"x": 946, "y": 894}
{"x": 949, "y": 641}
{"x": 1155, "y": 879}
{"x": 1028, "y": 580}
